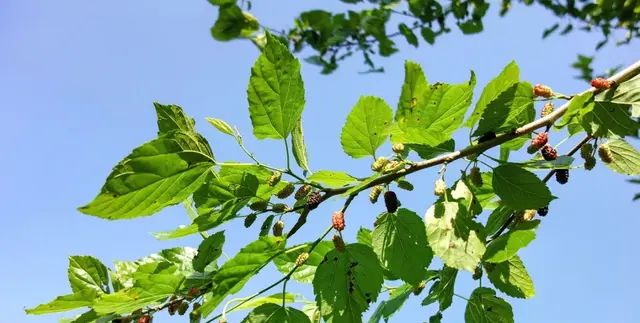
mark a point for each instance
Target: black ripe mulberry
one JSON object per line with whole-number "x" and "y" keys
{"x": 562, "y": 176}
{"x": 391, "y": 201}
{"x": 549, "y": 153}
{"x": 543, "y": 211}
{"x": 313, "y": 200}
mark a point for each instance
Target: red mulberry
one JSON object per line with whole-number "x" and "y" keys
{"x": 338, "y": 243}
{"x": 600, "y": 83}
{"x": 538, "y": 142}
{"x": 542, "y": 91}
{"x": 337, "y": 220}
{"x": 549, "y": 153}
{"x": 313, "y": 200}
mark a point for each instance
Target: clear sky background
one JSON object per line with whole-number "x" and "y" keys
{"x": 77, "y": 82}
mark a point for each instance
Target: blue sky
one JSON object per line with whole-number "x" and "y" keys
{"x": 77, "y": 81}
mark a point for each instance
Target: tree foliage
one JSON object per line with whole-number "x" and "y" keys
{"x": 477, "y": 225}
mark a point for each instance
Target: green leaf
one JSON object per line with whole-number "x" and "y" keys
{"x": 235, "y": 273}
{"x": 400, "y": 241}
{"x": 387, "y": 308}
{"x": 172, "y": 117}
{"x": 152, "y": 283}
{"x": 485, "y": 307}
{"x": 125, "y": 272}
{"x": 520, "y": 189}
{"x": 501, "y": 83}
{"x": 453, "y": 236}
{"x": 162, "y": 172}
{"x": 513, "y": 145}
{"x": 87, "y": 273}
{"x": 507, "y": 245}
{"x": 304, "y": 273}
{"x": 298, "y": 146}
{"x": 483, "y": 194}
{"x": 470, "y": 27}
{"x": 610, "y": 118}
{"x": 562, "y": 162}
{"x": 512, "y": 278}
{"x": 626, "y": 159}
{"x": 366, "y": 128}
{"x": 332, "y": 178}
{"x": 415, "y": 83}
{"x": 273, "y": 313}
{"x": 65, "y": 303}
{"x": 271, "y": 299}
{"x": 442, "y": 290}
{"x": 208, "y": 251}
{"x": 276, "y": 92}
{"x": 408, "y": 34}
{"x": 428, "y": 152}
{"x": 347, "y": 282}
{"x": 511, "y": 109}
{"x": 233, "y": 23}
{"x": 578, "y": 106}
{"x": 364, "y": 236}
{"x": 497, "y": 218}
{"x": 434, "y": 115}
{"x": 222, "y": 126}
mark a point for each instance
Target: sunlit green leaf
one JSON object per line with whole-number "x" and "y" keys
{"x": 273, "y": 313}
{"x": 485, "y": 307}
{"x": 304, "y": 273}
{"x": 519, "y": 188}
{"x": 511, "y": 109}
{"x": 387, "y": 308}
{"x": 233, "y": 23}
{"x": 626, "y": 159}
{"x": 512, "y": 278}
{"x": 332, "y": 178}
{"x": 366, "y": 128}
{"x": 65, "y": 303}
{"x": 86, "y": 272}
{"x": 276, "y": 92}
{"x": 504, "y": 81}
{"x": 507, "y": 245}
{"x": 443, "y": 289}
{"x": 208, "y": 251}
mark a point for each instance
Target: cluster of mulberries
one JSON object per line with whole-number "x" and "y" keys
{"x": 279, "y": 207}
{"x": 248, "y": 221}
{"x": 538, "y": 142}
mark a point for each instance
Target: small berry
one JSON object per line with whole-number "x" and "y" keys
{"x": 600, "y": 83}
{"x": 549, "y": 153}
{"x": 248, "y": 221}
{"x": 145, "y": 319}
{"x": 302, "y": 258}
{"x": 562, "y": 176}
{"x": 286, "y": 191}
{"x": 475, "y": 176}
{"x": 184, "y": 306}
{"x": 274, "y": 179}
{"x": 192, "y": 293}
{"x": 259, "y": 205}
{"x": 391, "y": 201}
{"x": 586, "y": 151}
{"x": 379, "y": 164}
{"x": 590, "y": 163}
{"x": 605, "y": 153}
{"x": 418, "y": 288}
{"x": 543, "y": 211}
{"x": 440, "y": 187}
{"x": 542, "y": 90}
{"x": 477, "y": 274}
{"x": 398, "y": 148}
{"x": 538, "y": 142}
{"x": 528, "y": 215}
{"x": 375, "y": 193}
{"x": 279, "y": 208}
{"x": 302, "y": 192}
{"x": 337, "y": 220}
{"x": 392, "y": 166}
{"x": 338, "y": 243}
{"x": 405, "y": 185}
{"x": 313, "y": 200}
{"x": 277, "y": 228}
{"x": 546, "y": 109}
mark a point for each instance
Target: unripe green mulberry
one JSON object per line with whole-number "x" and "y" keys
{"x": 286, "y": 191}
{"x": 375, "y": 193}
{"x": 195, "y": 315}
{"x": 302, "y": 192}
{"x": 605, "y": 153}
{"x": 586, "y": 151}
{"x": 184, "y": 306}
{"x": 398, "y": 148}
{"x": 259, "y": 205}
{"x": 475, "y": 176}
{"x": 275, "y": 178}
{"x": 279, "y": 207}
{"x": 302, "y": 258}
{"x": 590, "y": 163}
{"x": 278, "y": 227}
{"x": 440, "y": 187}
{"x": 546, "y": 109}
{"x": 379, "y": 164}
{"x": 392, "y": 166}
{"x": 405, "y": 185}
